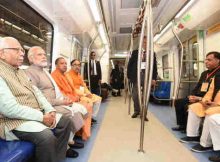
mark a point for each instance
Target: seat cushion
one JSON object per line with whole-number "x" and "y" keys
{"x": 15, "y": 151}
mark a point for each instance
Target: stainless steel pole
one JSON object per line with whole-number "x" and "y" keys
{"x": 176, "y": 90}
{"x": 139, "y": 77}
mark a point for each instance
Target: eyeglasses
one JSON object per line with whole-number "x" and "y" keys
{"x": 76, "y": 65}
{"x": 15, "y": 49}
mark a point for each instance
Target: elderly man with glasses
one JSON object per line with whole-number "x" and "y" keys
{"x": 25, "y": 112}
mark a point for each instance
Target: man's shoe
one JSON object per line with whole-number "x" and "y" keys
{"x": 190, "y": 139}
{"x": 200, "y": 148}
{"x": 76, "y": 145}
{"x": 179, "y": 128}
{"x": 135, "y": 115}
{"x": 70, "y": 153}
{"x": 215, "y": 158}
{"x": 93, "y": 120}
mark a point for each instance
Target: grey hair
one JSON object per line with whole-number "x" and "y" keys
{"x": 4, "y": 41}
{"x": 31, "y": 51}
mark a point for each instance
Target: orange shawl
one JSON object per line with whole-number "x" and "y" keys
{"x": 63, "y": 84}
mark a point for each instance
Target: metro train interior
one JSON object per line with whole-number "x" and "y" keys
{"x": 180, "y": 32}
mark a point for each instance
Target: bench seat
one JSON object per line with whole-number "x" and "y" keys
{"x": 15, "y": 151}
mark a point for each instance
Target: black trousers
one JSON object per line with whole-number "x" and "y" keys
{"x": 50, "y": 147}
{"x": 135, "y": 98}
{"x": 94, "y": 83}
{"x": 181, "y": 108}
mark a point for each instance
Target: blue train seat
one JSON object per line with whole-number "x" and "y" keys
{"x": 162, "y": 91}
{"x": 15, "y": 151}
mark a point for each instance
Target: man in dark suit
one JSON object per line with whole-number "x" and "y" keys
{"x": 95, "y": 74}
{"x": 132, "y": 76}
{"x": 181, "y": 105}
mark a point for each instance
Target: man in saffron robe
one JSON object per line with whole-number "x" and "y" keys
{"x": 66, "y": 90}
{"x": 77, "y": 83}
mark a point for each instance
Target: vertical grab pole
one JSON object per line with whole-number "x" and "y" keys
{"x": 88, "y": 57}
{"x": 148, "y": 73}
{"x": 129, "y": 85}
{"x": 176, "y": 91}
{"x": 138, "y": 75}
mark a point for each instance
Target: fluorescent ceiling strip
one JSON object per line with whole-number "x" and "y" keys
{"x": 94, "y": 9}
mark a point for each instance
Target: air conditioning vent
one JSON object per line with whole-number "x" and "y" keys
{"x": 124, "y": 30}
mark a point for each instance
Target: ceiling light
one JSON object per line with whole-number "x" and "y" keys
{"x": 94, "y": 9}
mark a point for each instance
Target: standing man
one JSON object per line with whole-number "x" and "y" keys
{"x": 95, "y": 73}
{"x": 25, "y": 112}
{"x": 132, "y": 76}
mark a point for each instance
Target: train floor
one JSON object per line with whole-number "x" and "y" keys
{"x": 116, "y": 136}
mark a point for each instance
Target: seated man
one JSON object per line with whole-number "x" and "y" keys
{"x": 210, "y": 133}
{"x": 42, "y": 79}
{"x": 77, "y": 83}
{"x": 25, "y": 112}
{"x": 208, "y": 106}
{"x": 66, "y": 90}
{"x": 181, "y": 105}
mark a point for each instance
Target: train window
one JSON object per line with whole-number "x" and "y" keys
{"x": 19, "y": 20}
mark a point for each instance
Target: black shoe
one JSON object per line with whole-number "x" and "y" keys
{"x": 190, "y": 139}
{"x": 135, "y": 115}
{"x": 200, "y": 148}
{"x": 70, "y": 153}
{"x": 179, "y": 128}
{"x": 93, "y": 120}
{"x": 214, "y": 158}
{"x": 114, "y": 94}
{"x": 76, "y": 145}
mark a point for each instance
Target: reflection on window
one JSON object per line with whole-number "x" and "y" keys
{"x": 19, "y": 20}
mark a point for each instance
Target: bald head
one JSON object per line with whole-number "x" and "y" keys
{"x": 37, "y": 56}
{"x": 11, "y": 51}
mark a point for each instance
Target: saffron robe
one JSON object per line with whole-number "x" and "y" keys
{"x": 66, "y": 90}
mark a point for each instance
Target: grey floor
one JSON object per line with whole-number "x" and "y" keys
{"x": 167, "y": 116}
{"x": 164, "y": 113}
{"x": 85, "y": 152}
